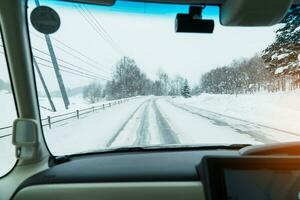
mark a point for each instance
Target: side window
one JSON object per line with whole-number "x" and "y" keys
{"x": 7, "y": 115}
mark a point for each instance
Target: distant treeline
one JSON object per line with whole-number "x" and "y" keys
{"x": 242, "y": 76}
{"x": 128, "y": 80}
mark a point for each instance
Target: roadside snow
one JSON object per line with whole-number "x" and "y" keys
{"x": 8, "y": 110}
{"x": 91, "y": 132}
{"x": 279, "y": 110}
{"x": 76, "y": 103}
{"x": 192, "y": 129}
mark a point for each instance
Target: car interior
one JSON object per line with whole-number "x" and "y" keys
{"x": 266, "y": 171}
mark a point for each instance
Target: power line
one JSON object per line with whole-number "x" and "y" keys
{"x": 105, "y": 33}
{"x": 66, "y": 62}
{"x": 94, "y": 25}
{"x": 66, "y": 67}
{"x": 87, "y": 72}
{"x": 70, "y": 72}
{"x": 98, "y": 65}
{"x": 78, "y": 52}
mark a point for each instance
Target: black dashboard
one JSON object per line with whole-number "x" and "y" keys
{"x": 172, "y": 165}
{"x": 224, "y": 173}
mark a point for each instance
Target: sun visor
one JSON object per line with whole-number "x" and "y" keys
{"x": 253, "y": 12}
{"x": 97, "y": 2}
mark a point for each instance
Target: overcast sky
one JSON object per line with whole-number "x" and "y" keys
{"x": 144, "y": 32}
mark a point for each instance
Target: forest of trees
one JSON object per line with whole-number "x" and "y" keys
{"x": 242, "y": 76}
{"x": 277, "y": 68}
{"x": 128, "y": 81}
{"x": 282, "y": 58}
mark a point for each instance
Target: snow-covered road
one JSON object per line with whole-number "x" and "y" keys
{"x": 157, "y": 121}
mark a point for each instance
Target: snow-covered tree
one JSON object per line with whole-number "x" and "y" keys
{"x": 242, "y": 76}
{"x": 92, "y": 92}
{"x": 283, "y": 56}
{"x": 186, "y": 91}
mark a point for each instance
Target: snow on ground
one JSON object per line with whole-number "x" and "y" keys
{"x": 193, "y": 129}
{"x": 8, "y": 112}
{"x": 76, "y": 103}
{"x": 7, "y": 109}
{"x": 128, "y": 133}
{"x": 7, "y": 115}
{"x": 155, "y": 137}
{"x": 92, "y": 132}
{"x": 146, "y": 121}
{"x": 142, "y": 128}
{"x": 278, "y": 110}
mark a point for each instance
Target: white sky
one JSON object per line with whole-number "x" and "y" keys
{"x": 151, "y": 41}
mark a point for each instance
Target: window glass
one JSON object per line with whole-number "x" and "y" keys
{"x": 7, "y": 115}
{"x": 120, "y": 76}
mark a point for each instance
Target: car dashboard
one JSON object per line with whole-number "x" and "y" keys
{"x": 150, "y": 174}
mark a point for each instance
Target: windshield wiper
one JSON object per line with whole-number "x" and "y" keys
{"x": 55, "y": 160}
{"x": 164, "y": 147}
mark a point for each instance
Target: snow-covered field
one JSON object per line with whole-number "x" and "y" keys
{"x": 8, "y": 115}
{"x": 278, "y": 110}
{"x": 7, "y": 108}
{"x": 140, "y": 122}
{"x": 151, "y": 121}
{"x": 167, "y": 121}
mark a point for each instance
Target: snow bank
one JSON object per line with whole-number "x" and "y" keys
{"x": 91, "y": 132}
{"x": 279, "y": 110}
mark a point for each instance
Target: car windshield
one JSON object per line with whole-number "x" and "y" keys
{"x": 121, "y": 76}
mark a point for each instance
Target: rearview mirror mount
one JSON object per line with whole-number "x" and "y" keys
{"x": 25, "y": 138}
{"x": 193, "y": 22}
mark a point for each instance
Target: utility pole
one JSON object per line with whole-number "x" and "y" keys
{"x": 56, "y": 68}
{"x": 44, "y": 84}
{"x": 123, "y": 84}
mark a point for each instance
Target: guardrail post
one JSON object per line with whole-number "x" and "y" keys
{"x": 103, "y": 106}
{"x": 77, "y": 114}
{"x": 93, "y": 109}
{"x": 49, "y": 121}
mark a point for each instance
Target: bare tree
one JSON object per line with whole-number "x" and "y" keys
{"x": 92, "y": 92}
